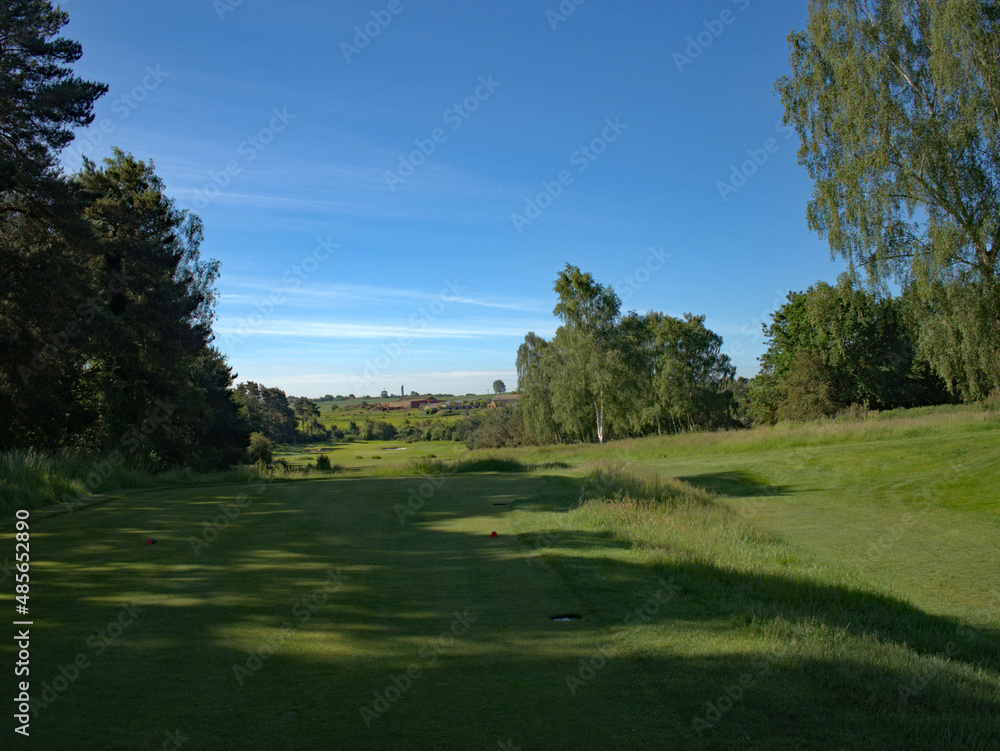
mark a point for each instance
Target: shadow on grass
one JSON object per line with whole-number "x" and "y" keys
{"x": 443, "y": 633}
{"x": 736, "y": 483}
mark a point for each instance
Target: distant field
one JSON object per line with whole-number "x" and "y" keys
{"x": 369, "y": 453}
{"x": 341, "y": 413}
{"x": 829, "y": 586}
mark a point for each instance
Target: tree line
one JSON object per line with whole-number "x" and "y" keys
{"x": 106, "y": 305}
{"x": 606, "y": 374}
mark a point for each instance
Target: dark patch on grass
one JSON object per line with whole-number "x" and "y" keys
{"x": 736, "y": 483}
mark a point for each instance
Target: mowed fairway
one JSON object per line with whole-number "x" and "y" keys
{"x": 342, "y": 599}
{"x": 835, "y": 593}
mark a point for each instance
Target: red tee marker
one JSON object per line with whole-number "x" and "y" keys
{"x": 150, "y": 541}
{"x": 494, "y": 535}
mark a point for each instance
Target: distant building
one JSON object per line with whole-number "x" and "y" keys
{"x": 503, "y": 400}
{"x": 417, "y": 402}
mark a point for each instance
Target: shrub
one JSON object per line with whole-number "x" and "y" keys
{"x": 260, "y": 450}
{"x": 323, "y": 462}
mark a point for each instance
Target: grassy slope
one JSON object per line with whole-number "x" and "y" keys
{"x": 910, "y": 503}
{"x": 364, "y": 453}
{"x": 839, "y": 643}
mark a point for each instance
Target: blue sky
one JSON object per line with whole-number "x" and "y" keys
{"x": 392, "y": 186}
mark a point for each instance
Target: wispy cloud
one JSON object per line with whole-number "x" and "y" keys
{"x": 327, "y": 330}
{"x": 444, "y": 377}
{"x": 324, "y": 295}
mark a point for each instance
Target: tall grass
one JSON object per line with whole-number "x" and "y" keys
{"x": 752, "y": 576}
{"x": 31, "y": 479}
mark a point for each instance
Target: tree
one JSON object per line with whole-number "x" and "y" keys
{"x": 47, "y": 295}
{"x": 690, "y": 378}
{"x": 210, "y": 415}
{"x": 307, "y": 413}
{"x": 385, "y": 394}
{"x": 604, "y": 374}
{"x": 855, "y": 346}
{"x": 266, "y": 410}
{"x": 260, "y": 450}
{"x": 897, "y": 105}
{"x": 499, "y": 387}
{"x": 40, "y": 104}
{"x": 594, "y": 375}
{"x": 153, "y": 326}
{"x": 535, "y": 368}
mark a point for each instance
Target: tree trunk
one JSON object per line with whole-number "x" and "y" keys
{"x": 599, "y": 408}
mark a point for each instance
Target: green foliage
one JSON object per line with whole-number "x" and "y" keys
{"x": 307, "y": 413}
{"x": 534, "y": 384}
{"x": 48, "y": 301}
{"x": 266, "y": 410}
{"x": 832, "y": 347}
{"x": 260, "y": 450}
{"x": 323, "y": 463}
{"x": 499, "y": 387}
{"x": 42, "y": 101}
{"x": 690, "y": 377}
{"x": 805, "y": 390}
{"x": 105, "y": 304}
{"x": 410, "y": 434}
{"x": 379, "y": 430}
{"x": 608, "y": 375}
{"x": 492, "y": 429}
{"x": 895, "y": 102}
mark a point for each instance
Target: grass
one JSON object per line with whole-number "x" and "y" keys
{"x": 362, "y": 453}
{"x": 342, "y": 413}
{"x": 33, "y": 480}
{"x": 809, "y": 587}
